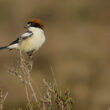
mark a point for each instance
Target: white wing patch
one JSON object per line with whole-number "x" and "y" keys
{"x": 26, "y": 35}
{"x": 15, "y": 44}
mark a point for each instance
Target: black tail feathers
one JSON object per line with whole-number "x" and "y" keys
{"x": 5, "y": 47}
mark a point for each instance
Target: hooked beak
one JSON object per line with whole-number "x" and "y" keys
{"x": 27, "y": 26}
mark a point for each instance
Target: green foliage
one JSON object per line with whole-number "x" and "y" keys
{"x": 54, "y": 99}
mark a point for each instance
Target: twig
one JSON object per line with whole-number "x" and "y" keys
{"x": 53, "y": 75}
{"x": 22, "y": 71}
{"x": 2, "y": 99}
{"x": 26, "y": 69}
{"x": 27, "y": 94}
{"x": 34, "y": 94}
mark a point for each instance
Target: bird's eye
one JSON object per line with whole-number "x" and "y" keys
{"x": 32, "y": 24}
{"x": 29, "y": 23}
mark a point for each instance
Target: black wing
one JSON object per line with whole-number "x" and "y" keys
{"x": 15, "y": 42}
{"x": 22, "y": 37}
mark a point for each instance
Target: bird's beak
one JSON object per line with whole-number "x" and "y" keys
{"x": 27, "y": 26}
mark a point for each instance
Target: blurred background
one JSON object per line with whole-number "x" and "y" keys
{"x": 77, "y": 48}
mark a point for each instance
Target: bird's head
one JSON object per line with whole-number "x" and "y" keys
{"x": 34, "y": 23}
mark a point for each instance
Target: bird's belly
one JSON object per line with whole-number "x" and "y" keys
{"x": 30, "y": 44}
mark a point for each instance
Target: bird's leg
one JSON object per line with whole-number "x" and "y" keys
{"x": 30, "y": 59}
{"x": 29, "y": 55}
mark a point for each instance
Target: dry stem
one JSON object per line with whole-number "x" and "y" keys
{"x": 2, "y": 99}
{"x": 22, "y": 71}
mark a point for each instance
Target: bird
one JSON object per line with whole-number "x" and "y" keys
{"x": 30, "y": 41}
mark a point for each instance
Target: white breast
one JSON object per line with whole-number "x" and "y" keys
{"x": 34, "y": 42}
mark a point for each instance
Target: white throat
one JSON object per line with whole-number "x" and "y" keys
{"x": 32, "y": 29}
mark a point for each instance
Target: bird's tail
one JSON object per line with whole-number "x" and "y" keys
{"x": 5, "y": 47}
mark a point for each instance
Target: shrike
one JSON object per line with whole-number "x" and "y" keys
{"x": 30, "y": 41}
